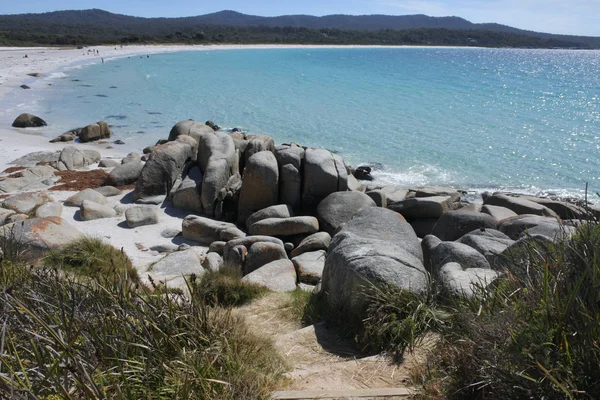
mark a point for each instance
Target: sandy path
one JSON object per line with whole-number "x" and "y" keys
{"x": 318, "y": 357}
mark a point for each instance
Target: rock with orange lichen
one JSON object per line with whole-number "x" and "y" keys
{"x": 40, "y": 235}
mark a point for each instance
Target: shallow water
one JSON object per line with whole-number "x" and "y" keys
{"x": 525, "y": 120}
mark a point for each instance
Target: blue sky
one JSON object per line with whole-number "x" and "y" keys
{"x": 578, "y": 17}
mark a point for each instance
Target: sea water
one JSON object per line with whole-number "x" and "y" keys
{"x": 479, "y": 119}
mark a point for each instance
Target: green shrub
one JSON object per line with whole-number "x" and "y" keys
{"x": 69, "y": 337}
{"x": 535, "y": 335}
{"x": 93, "y": 258}
{"x": 226, "y": 288}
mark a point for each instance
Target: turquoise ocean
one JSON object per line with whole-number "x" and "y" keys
{"x": 477, "y": 119}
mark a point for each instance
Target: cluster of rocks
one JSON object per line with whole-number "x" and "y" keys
{"x": 96, "y": 131}
{"x": 291, "y": 217}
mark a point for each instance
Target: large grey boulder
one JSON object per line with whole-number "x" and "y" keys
{"x": 324, "y": 173}
{"x": 132, "y": 158}
{"x": 260, "y": 185}
{"x": 26, "y": 203}
{"x": 394, "y": 194}
{"x": 52, "y": 209}
{"x": 206, "y": 230}
{"x": 38, "y": 172}
{"x": 190, "y": 128}
{"x": 235, "y": 251}
{"x": 278, "y": 211}
{"x": 32, "y": 159}
{"x": 179, "y": 263}
{"x": 125, "y": 174}
{"x": 563, "y": 209}
{"x": 290, "y": 185}
{"x": 212, "y": 262}
{"x": 423, "y": 207}
{"x": 141, "y": 215}
{"x": 428, "y": 246}
{"x": 309, "y": 266}
{"x": 218, "y": 161}
{"x": 433, "y": 191}
{"x": 28, "y": 121}
{"x": 256, "y": 144}
{"x": 164, "y": 166}
{"x": 515, "y": 227}
{"x": 379, "y": 197}
{"x": 40, "y": 235}
{"x": 278, "y": 276}
{"x": 108, "y": 191}
{"x": 454, "y": 224}
{"x": 498, "y": 212}
{"x": 72, "y": 158}
{"x": 187, "y": 194}
{"x": 376, "y": 247}
{"x": 97, "y": 131}
{"x": 519, "y": 205}
{"x": 465, "y": 282}
{"x": 87, "y": 194}
{"x": 108, "y": 163}
{"x": 262, "y": 253}
{"x": 423, "y": 227}
{"x": 339, "y": 208}
{"x": 460, "y": 253}
{"x": 285, "y": 226}
{"x": 289, "y": 154}
{"x": 314, "y": 242}
{"x": 90, "y": 210}
{"x": 489, "y": 242}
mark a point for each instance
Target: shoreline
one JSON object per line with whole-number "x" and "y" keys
{"x": 51, "y": 60}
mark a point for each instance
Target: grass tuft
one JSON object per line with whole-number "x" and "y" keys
{"x": 226, "y": 288}
{"x": 93, "y": 258}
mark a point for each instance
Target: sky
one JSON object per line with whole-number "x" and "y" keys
{"x": 574, "y": 17}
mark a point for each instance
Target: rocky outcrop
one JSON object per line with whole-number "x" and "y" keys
{"x": 186, "y": 196}
{"x": 339, "y": 208}
{"x": 498, "y": 212}
{"x": 285, "y": 226}
{"x": 235, "y": 251}
{"x": 97, "y": 131}
{"x": 164, "y": 166}
{"x": 26, "y": 203}
{"x": 314, "y": 242}
{"x": 260, "y": 185}
{"x": 324, "y": 173}
{"x": 466, "y": 256}
{"x": 40, "y": 235}
{"x": 262, "y": 253}
{"x": 376, "y": 247}
{"x": 141, "y": 215}
{"x": 206, "y": 230}
{"x": 179, "y": 263}
{"x": 454, "y": 224}
{"x": 28, "y": 121}
{"x": 519, "y": 205}
{"x": 72, "y": 158}
{"x": 528, "y": 224}
{"x": 189, "y": 128}
{"x": 465, "y": 282}
{"x": 278, "y": 276}
{"x": 125, "y": 174}
{"x": 87, "y": 194}
{"x": 423, "y": 207}
{"x": 309, "y": 266}
{"x": 278, "y": 211}
{"x": 218, "y": 162}
{"x": 289, "y": 159}
{"x": 489, "y": 242}
{"x": 90, "y": 210}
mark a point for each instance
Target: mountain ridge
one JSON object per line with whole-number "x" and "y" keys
{"x": 125, "y": 24}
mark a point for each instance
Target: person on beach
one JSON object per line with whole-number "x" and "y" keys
{"x": 102, "y": 60}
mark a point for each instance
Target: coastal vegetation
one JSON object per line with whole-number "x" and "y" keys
{"x": 78, "y": 326}
{"x": 94, "y": 27}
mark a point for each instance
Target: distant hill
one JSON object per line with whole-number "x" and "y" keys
{"x": 93, "y": 26}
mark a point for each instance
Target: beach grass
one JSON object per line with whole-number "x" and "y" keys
{"x": 65, "y": 335}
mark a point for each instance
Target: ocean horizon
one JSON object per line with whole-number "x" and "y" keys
{"x": 472, "y": 118}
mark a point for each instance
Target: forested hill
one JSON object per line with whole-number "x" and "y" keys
{"x": 98, "y": 26}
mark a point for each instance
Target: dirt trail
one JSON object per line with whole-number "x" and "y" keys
{"x": 320, "y": 359}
